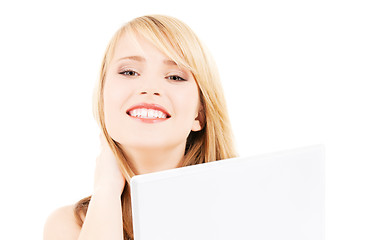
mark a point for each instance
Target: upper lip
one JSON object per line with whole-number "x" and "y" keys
{"x": 149, "y": 106}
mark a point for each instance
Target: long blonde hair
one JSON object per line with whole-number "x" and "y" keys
{"x": 177, "y": 41}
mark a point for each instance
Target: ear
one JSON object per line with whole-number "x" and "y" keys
{"x": 198, "y": 123}
{"x": 196, "y": 126}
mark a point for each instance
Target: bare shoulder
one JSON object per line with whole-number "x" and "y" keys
{"x": 61, "y": 224}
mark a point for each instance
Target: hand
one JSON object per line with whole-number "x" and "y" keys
{"x": 107, "y": 177}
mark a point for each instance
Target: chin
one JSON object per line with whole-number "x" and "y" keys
{"x": 143, "y": 145}
{"x": 151, "y": 144}
{"x": 147, "y": 140}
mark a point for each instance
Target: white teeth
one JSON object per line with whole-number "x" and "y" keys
{"x": 147, "y": 113}
{"x": 143, "y": 113}
{"x": 150, "y": 114}
{"x": 134, "y": 112}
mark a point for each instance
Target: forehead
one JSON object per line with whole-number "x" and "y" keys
{"x": 130, "y": 43}
{"x": 135, "y": 47}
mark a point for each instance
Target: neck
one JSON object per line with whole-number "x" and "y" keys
{"x": 153, "y": 160}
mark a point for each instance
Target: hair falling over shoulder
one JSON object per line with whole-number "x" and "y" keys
{"x": 214, "y": 142}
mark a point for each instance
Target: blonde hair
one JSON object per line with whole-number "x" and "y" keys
{"x": 177, "y": 41}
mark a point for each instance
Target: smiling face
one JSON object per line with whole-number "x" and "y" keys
{"x": 149, "y": 101}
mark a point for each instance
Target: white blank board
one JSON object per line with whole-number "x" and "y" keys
{"x": 274, "y": 196}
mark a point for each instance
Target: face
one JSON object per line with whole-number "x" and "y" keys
{"x": 149, "y": 101}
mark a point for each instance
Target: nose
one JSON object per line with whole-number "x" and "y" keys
{"x": 150, "y": 85}
{"x": 150, "y": 93}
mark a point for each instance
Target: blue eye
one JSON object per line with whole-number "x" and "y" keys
{"x": 176, "y": 78}
{"x": 129, "y": 73}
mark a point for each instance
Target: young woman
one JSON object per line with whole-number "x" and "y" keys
{"x": 160, "y": 105}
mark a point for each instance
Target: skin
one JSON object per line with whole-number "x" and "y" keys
{"x": 140, "y": 73}
{"x": 151, "y": 78}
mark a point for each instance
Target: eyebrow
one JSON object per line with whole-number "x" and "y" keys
{"x": 142, "y": 59}
{"x": 134, "y": 58}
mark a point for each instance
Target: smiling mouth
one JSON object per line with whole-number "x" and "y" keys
{"x": 147, "y": 113}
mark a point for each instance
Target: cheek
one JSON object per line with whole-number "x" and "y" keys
{"x": 187, "y": 103}
{"x": 115, "y": 95}
{"x": 115, "y": 91}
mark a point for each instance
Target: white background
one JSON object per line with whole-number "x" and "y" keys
{"x": 295, "y": 73}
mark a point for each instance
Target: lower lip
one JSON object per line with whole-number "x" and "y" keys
{"x": 149, "y": 120}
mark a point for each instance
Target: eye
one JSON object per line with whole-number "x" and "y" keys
{"x": 176, "y": 78}
{"x": 129, "y": 73}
